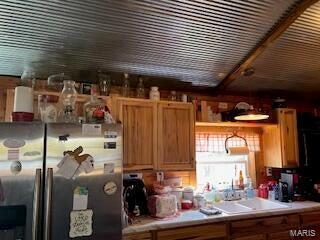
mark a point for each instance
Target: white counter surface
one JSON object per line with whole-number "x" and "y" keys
{"x": 194, "y": 217}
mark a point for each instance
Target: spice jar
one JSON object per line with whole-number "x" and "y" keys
{"x": 47, "y": 108}
{"x": 154, "y": 93}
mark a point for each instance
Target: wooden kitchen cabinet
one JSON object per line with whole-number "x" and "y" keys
{"x": 138, "y": 236}
{"x": 280, "y": 142}
{"x": 176, "y": 136}
{"x": 263, "y": 225}
{"x": 201, "y": 232}
{"x": 139, "y": 119}
{"x": 253, "y": 237}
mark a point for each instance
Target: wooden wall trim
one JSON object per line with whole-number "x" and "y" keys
{"x": 275, "y": 32}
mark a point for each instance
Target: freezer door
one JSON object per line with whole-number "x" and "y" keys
{"x": 83, "y": 202}
{"x": 21, "y": 161}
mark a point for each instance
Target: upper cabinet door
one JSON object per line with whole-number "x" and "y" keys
{"x": 139, "y": 119}
{"x": 289, "y": 138}
{"x": 176, "y": 136}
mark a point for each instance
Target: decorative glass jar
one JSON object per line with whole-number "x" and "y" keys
{"x": 154, "y": 94}
{"x": 68, "y": 98}
{"x": 94, "y": 110}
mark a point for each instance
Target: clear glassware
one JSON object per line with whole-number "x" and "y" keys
{"x": 173, "y": 96}
{"x": 104, "y": 83}
{"x": 140, "y": 88}
{"x": 94, "y": 110}
{"x": 28, "y": 77}
{"x": 68, "y": 98}
{"x": 125, "y": 90}
{"x": 56, "y": 81}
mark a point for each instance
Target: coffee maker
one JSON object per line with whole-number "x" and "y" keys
{"x": 135, "y": 195}
{"x": 283, "y": 192}
{"x": 295, "y": 190}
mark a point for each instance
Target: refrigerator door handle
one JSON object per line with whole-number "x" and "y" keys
{"x": 48, "y": 204}
{"x": 36, "y": 205}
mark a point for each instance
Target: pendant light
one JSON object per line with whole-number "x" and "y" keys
{"x": 251, "y": 114}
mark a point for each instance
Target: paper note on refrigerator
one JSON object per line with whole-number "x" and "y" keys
{"x": 91, "y": 129}
{"x": 80, "y": 223}
{"x": 80, "y": 198}
{"x": 68, "y": 167}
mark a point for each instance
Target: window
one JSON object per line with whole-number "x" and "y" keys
{"x": 215, "y": 166}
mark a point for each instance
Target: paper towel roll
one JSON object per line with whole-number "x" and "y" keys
{"x": 238, "y": 150}
{"x": 23, "y": 99}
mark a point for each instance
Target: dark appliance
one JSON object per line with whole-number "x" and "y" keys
{"x": 294, "y": 188}
{"x": 135, "y": 196}
{"x": 283, "y": 192}
{"x": 309, "y": 146}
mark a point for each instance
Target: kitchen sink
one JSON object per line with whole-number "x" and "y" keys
{"x": 232, "y": 207}
{"x": 259, "y": 204}
{"x": 250, "y": 205}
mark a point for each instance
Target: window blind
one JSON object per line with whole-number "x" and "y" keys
{"x": 215, "y": 142}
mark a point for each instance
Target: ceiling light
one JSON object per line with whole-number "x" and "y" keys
{"x": 251, "y": 115}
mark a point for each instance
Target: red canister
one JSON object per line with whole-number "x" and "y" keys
{"x": 263, "y": 191}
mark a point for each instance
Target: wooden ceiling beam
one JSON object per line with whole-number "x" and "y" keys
{"x": 276, "y": 32}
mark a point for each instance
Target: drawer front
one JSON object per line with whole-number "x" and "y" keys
{"x": 137, "y": 236}
{"x": 252, "y": 237}
{"x": 264, "y": 225}
{"x": 284, "y": 235}
{"x": 202, "y": 232}
{"x": 310, "y": 218}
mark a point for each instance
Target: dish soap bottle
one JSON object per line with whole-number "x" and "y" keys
{"x": 249, "y": 191}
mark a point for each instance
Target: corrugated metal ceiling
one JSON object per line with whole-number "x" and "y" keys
{"x": 291, "y": 63}
{"x": 192, "y": 41}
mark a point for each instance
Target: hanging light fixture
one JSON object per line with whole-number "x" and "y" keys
{"x": 251, "y": 114}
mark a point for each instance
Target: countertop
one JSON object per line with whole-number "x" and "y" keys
{"x": 193, "y": 217}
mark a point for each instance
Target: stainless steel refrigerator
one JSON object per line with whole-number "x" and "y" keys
{"x": 60, "y": 181}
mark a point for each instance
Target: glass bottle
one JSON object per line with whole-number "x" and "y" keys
{"x": 173, "y": 96}
{"x": 125, "y": 90}
{"x": 104, "y": 83}
{"x": 28, "y": 77}
{"x": 94, "y": 110}
{"x": 140, "y": 88}
{"x": 68, "y": 99}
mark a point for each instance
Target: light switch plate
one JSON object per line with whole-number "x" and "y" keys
{"x": 160, "y": 176}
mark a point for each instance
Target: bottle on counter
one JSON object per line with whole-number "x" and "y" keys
{"x": 241, "y": 182}
{"x": 249, "y": 190}
{"x": 125, "y": 89}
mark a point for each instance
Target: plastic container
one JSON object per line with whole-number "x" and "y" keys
{"x": 199, "y": 201}
{"x": 263, "y": 191}
{"x": 179, "y": 194}
{"x": 188, "y": 193}
{"x": 186, "y": 204}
